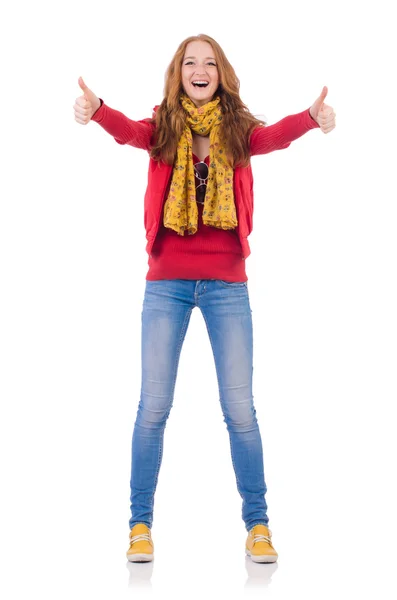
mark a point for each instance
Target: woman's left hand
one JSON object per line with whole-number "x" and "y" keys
{"x": 322, "y": 113}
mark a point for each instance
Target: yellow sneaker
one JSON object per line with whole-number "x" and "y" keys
{"x": 259, "y": 546}
{"x": 141, "y": 544}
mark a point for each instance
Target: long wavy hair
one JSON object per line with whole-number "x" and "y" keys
{"x": 237, "y": 122}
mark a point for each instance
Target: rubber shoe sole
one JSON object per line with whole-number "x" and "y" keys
{"x": 139, "y": 557}
{"x": 264, "y": 558}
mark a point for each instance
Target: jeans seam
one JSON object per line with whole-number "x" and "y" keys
{"x": 233, "y": 284}
{"x": 220, "y": 398}
{"x": 177, "y": 354}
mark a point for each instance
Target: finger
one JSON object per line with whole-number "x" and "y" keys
{"x": 82, "y": 101}
{"x": 325, "y": 120}
{"x": 327, "y": 129}
{"x": 81, "y": 121}
{"x": 81, "y": 110}
{"x": 326, "y": 109}
{"x": 330, "y": 120}
{"x": 82, "y": 84}
{"x": 323, "y": 94}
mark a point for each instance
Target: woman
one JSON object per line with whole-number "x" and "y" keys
{"x": 198, "y": 216}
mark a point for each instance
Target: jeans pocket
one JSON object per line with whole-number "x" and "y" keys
{"x": 233, "y": 284}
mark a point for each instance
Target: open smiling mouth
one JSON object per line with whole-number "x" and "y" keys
{"x": 200, "y": 84}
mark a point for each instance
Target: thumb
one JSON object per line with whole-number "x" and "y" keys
{"x": 322, "y": 96}
{"x": 86, "y": 90}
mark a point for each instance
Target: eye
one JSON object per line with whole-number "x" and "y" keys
{"x": 190, "y": 62}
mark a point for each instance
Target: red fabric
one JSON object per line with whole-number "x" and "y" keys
{"x": 210, "y": 253}
{"x": 211, "y": 257}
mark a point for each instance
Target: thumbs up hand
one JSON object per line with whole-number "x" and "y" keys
{"x": 85, "y": 105}
{"x": 322, "y": 113}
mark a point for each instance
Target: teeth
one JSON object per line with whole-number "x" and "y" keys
{"x": 200, "y": 82}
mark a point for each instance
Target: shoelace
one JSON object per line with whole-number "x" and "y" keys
{"x": 259, "y": 537}
{"x": 140, "y": 537}
{"x": 262, "y": 538}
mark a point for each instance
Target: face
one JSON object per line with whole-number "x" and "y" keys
{"x": 199, "y": 65}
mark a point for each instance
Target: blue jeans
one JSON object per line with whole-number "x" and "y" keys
{"x": 167, "y": 307}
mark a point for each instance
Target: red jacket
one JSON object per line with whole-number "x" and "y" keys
{"x": 263, "y": 140}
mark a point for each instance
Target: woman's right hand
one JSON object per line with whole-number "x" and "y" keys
{"x": 85, "y": 105}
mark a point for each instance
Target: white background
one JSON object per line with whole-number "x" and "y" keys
{"x": 322, "y": 285}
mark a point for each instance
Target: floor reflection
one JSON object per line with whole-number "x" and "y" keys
{"x": 259, "y": 574}
{"x": 140, "y": 574}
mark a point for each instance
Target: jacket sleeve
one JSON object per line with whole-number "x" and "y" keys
{"x": 268, "y": 138}
{"x": 123, "y": 129}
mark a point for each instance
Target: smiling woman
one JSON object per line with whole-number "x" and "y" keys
{"x": 198, "y": 214}
{"x": 201, "y": 70}
{"x": 200, "y": 77}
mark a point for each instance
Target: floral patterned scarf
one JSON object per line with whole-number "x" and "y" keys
{"x": 180, "y": 209}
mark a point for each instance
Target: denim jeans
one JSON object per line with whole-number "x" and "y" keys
{"x": 167, "y": 307}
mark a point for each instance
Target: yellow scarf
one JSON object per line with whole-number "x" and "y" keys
{"x": 180, "y": 209}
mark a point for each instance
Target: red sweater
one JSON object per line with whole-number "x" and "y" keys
{"x": 210, "y": 253}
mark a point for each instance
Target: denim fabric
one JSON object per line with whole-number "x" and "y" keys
{"x": 167, "y": 307}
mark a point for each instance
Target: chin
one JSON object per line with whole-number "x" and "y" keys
{"x": 198, "y": 97}
{"x": 201, "y": 100}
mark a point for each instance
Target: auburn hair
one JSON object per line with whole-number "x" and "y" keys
{"x": 237, "y": 122}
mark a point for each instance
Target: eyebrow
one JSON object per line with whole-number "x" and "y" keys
{"x": 206, "y": 58}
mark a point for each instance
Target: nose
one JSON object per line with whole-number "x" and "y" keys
{"x": 201, "y": 75}
{"x": 201, "y": 70}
